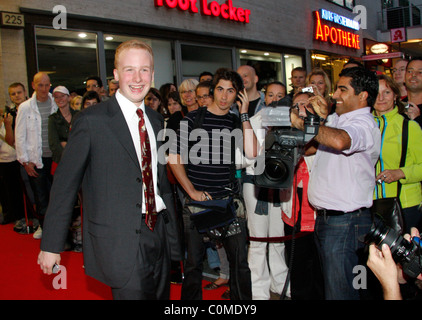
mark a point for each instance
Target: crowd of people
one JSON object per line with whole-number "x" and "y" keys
{"x": 73, "y": 162}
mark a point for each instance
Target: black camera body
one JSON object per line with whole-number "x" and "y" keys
{"x": 284, "y": 147}
{"x": 407, "y": 254}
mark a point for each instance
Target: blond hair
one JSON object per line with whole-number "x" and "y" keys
{"x": 133, "y": 44}
{"x": 186, "y": 85}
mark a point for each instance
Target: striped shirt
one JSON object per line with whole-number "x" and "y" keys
{"x": 209, "y": 154}
{"x": 45, "y": 111}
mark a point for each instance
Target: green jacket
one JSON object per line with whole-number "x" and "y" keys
{"x": 391, "y": 125}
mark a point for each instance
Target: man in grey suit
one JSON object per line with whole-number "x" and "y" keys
{"x": 103, "y": 157}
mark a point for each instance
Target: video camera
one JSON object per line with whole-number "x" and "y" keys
{"x": 284, "y": 145}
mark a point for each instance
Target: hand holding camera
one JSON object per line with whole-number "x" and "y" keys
{"x": 412, "y": 110}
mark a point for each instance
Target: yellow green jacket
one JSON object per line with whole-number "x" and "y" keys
{"x": 391, "y": 125}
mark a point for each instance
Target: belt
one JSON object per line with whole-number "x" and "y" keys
{"x": 329, "y": 213}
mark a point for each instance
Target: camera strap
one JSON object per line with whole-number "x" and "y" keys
{"x": 405, "y": 138}
{"x": 197, "y": 123}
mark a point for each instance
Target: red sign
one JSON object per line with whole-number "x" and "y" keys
{"x": 390, "y": 55}
{"x": 225, "y": 11}
{"x": 335, "y": 35}
{"x": 398, "y": 35}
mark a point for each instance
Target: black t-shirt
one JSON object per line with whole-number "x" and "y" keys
{"x": 252, "y": 107}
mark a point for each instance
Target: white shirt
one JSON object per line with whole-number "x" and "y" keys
{"x": 129, "y": 112}
{"x": 345, "y": 180}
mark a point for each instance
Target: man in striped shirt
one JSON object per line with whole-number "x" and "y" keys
{"x": 207, "y": 175}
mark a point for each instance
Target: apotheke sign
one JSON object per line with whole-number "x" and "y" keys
{"x": 335, "y": 35}
{"x": 225, "y": 11}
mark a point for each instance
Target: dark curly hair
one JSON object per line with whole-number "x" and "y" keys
{"x": 229, "y": 75}
{"x": 363, "y": 80}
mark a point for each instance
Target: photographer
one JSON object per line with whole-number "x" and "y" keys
{"x": 342, "y": 177}
{"x": 390, "y": 274}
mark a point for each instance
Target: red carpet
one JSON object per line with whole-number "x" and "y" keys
{"x": 22, "y": 279}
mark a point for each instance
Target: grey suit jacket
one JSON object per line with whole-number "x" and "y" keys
{"x": 100, "y": 157}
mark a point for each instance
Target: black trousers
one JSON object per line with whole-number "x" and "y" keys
{"x": 11, "y": 195}
{"x": 41, "y": 187}
{"x": 240, "y": 275}
{"x": 150, "y": 279}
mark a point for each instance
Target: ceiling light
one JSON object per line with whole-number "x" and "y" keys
{"x": 266, "y": 54}
{"x": 82, "y": 35}
{"x": 243, "y": 51}
{"x": 109, "y": 38}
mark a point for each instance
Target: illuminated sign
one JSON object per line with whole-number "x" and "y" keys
{"x": 336, "y": 18}
{"x": 335, "y": 35}
{"x": 225, "y": 11}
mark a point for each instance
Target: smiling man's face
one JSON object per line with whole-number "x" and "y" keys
{"x": 135, "y": 74}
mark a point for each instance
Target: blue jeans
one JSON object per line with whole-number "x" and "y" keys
{"x": 337, "y": 240}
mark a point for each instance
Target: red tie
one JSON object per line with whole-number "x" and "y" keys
{"x": 148, "y": 183}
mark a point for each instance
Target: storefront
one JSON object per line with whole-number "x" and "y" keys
{"x": 86, "y": 47}
{"x": 78, "y": 38}
{"x": 337, "y": 39}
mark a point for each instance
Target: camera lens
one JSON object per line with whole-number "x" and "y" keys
{"x": 275, "y": 170}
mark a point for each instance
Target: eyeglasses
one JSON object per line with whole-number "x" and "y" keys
{"x": 92, "y": 86}
{"x": 205, "y": 96}
{"x": 188, "y": 91}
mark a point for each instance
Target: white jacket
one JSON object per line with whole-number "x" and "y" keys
{"x": 28, "y": 139}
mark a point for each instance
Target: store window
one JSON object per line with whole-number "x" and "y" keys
{"x": 196, "y": 59}
{"x": 332, "y": 65}
{"x": 163, "y": 61}
{"x": 349, "y": 4}
{"x": 68, "y": 57}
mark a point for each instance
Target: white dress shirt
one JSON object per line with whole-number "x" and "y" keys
{"x": 345, "y": 181}
{"x": 129, "y": 112}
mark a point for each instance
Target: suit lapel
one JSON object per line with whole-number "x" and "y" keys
{"x": 119, "y": 126}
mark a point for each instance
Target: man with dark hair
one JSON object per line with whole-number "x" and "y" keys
{"x": 342, "y": 178}
{"x": 94, "y": 83}
{"x": 205, "y": 76}
{"x": 413, "y": 82}
{"x": 352, "y": 63}
{"x": 205, "y": 180}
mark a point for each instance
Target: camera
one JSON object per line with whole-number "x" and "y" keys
{"x": 407, "y": 254}
{"x": 284, "y": 147}
{"x": 308, "y": 89}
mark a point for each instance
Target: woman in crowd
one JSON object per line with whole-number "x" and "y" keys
{"x": 321, "y": 84}
{"x": 59, "y": 126}
{"x": 187, "y": 94}
{"x": 76, "y": 103}
{"x": 59, "y": 123}
{"x": 388, "y": 114}
{"x": 154, "y": 100}
{"x": 306, "y": 282}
